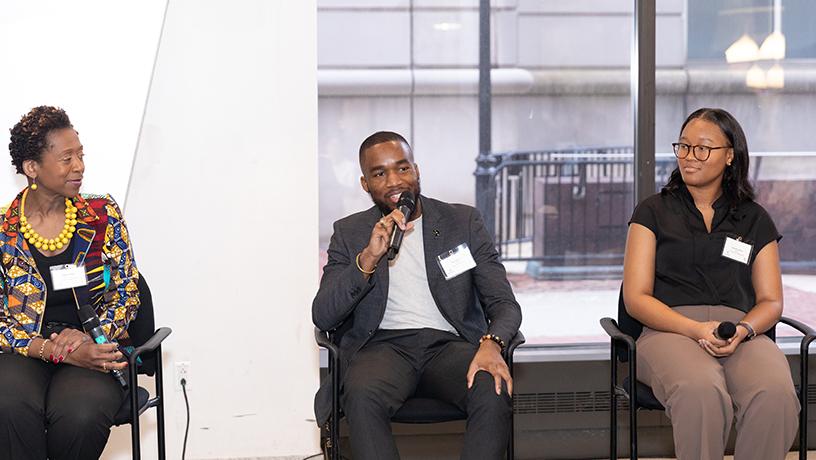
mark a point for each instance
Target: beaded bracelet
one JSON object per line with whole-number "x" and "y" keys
{"x": 495, "y": 338}
{"x": 42, "y": 350}
{"x": 361, "y": 268}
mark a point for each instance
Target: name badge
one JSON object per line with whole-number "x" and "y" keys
{"x": 455, "y": 261}
{"x": 737, "y": 250}
{"x": 68, "y": 276}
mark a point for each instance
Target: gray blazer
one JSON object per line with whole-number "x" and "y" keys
{"x": 476, "y": 302}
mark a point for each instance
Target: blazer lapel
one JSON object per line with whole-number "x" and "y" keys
{"x": 433, "y": 235}
{"x": 84, "y": 237}
{"x": 87, "y": 221}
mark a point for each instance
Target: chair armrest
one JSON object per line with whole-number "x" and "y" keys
{"x": 613, "y": 331}
{"x": 803, "y": 328}
{"x": 517, "y": 340}
{"x": 152, "y": 344}
{"x": 323, "y": 340}
{"x": 809, "y": 336}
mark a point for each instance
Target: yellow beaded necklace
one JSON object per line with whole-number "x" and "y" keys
{"x": 47, "y": 244}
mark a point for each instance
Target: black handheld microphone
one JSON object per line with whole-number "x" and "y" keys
{"x": 90, "y": 323}
{"x": 406, "y": 206}
{"x": 725, "y": 330}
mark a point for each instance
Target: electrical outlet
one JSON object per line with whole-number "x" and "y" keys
{"x": 183, "y": 372}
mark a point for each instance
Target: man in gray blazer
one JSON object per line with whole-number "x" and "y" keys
{"x": 415, "y": 325}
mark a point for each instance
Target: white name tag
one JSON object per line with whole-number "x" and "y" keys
{"x": 737, "y": 250}
{"x": 68, "y": 276}
{"x": 455, "y": 261}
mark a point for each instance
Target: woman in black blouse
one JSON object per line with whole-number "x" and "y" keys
{"x": 698, "y": 253}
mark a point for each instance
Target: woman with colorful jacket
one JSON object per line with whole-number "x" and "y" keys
{"x": 59, "y": 249}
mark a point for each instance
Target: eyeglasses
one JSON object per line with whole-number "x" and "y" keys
{"x": 700, "y": 152}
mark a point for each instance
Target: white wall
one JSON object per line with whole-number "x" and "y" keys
{"x": 93, "y": 58}
{"x": 223, "y": 211}
{"x": 222, "y": 206}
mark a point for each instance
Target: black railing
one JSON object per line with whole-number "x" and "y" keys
{"x": 567, "y": 209}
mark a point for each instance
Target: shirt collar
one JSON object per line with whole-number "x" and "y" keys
{"x": 720, "y": 203}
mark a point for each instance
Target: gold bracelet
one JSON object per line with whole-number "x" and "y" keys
{"x": 361, "y": 268}
{"x": 42, "y": 350}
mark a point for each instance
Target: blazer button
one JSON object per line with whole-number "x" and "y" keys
{"x": 371, "y": 332}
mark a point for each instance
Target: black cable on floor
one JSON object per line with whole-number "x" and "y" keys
{"x": 342, "y": 457}
{"x": 186, "y": 428}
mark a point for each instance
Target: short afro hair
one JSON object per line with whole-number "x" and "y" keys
{"x": 29, "y": 135}
{"x": 378, "y": 138}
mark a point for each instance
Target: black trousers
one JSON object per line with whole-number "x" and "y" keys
{"x": 59, "y": 412}
{"x": 397, "y": 364}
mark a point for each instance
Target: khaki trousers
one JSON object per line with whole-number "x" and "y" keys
{"x": 703, "y": 394}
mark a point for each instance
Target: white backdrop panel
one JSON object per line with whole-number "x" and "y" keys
{"x": 94, "y": 59}
{"x": 223, "y": 212}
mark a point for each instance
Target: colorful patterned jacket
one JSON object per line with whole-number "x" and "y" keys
{"x": 101, "y": 243}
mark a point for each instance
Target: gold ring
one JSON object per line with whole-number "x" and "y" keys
{"x": 105, "y": 367}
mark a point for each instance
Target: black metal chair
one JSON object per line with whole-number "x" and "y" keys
{"x": 415, "y": 410}
{"x": 623, "y": 349}
{"x": 147, "y": 342}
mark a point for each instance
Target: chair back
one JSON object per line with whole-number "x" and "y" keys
{"x": 628, "y": 325}
{"x": 143, "y": 326}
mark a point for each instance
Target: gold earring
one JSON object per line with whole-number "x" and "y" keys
{"x": 34, "y": 185}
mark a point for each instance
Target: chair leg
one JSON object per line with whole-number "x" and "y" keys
{"x": 334, "y": 438}
{"x": 134, "y": 414}
{"x": 511, "y": 440}
{"x": 134, "y": 440}
{"x": 803, "y": 399}
{"x": 633, "y": 405}
{"x": 613, "y": 403}
{"x": 162, "y": 447}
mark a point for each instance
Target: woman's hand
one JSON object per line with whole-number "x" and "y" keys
{"x": 99, "y": 357}
{"x": 64, "y": 343}
{"x": 704, "y": 331}
{"x": 729, "y": 348}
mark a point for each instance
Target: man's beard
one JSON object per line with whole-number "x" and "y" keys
{"x": 386, "y": 207}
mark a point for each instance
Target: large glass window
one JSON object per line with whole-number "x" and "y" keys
{"x": 757, "y": 59}
{"x": 716, "y": 26}
{"x": 560, "y": 169}
{"x": 396, "y": 65}
{"x": 560, "y": 165}
{"x": 562, "y": 136}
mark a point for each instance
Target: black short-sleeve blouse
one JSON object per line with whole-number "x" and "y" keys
{"x": 689, "y": 266}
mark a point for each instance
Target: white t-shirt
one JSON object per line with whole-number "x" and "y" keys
{"x": 410, "y": 304}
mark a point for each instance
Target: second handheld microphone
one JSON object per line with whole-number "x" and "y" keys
{"x": 90, "y": 323}
{"x": 725, "y": 330}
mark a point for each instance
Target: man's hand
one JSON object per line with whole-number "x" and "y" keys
{"x": 64, "y": 343}
{"x": 101, "y": 357}
{"x": 488, "y": 358}
{"x": 380, "y": 239}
